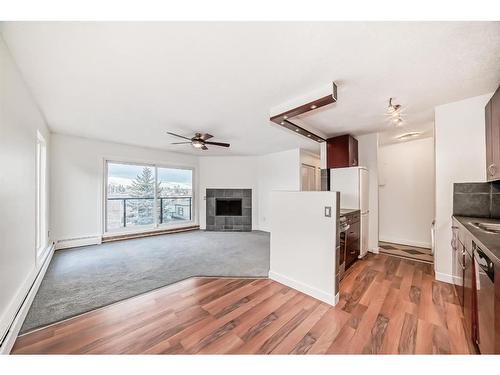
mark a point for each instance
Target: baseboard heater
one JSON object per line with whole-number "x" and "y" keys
{"x": 24, "y": 306}
{"x": 128, "y": 236}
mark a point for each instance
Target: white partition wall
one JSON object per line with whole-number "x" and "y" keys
{"x": 303, "y": 242}
{"x": 24, "y": 189}
{"x": 460, "y": 148}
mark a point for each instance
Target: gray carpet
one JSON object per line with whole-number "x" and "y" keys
{"x": 85, "y": 278}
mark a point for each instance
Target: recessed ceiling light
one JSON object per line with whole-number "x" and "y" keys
{"x": 282, "y": 123}
{"x": 309, "y": 135}
{"x": 285, "y": 117}
{"x": 404, "y": 136}
{"x": 313, "y": 106}
{"x": 297, "y": 130}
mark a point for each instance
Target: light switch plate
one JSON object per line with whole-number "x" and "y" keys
{"x": 328, "y": 211}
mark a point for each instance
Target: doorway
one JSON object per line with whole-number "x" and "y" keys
{"x": 406, "y": 198}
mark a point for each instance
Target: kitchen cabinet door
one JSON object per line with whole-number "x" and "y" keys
{"x": 469, "y": 296}
{"x": 353, "y": 244}
{"x": 492, "y": 120}
{"x": 342, "y": 152}
{"x": 458, "y": 272}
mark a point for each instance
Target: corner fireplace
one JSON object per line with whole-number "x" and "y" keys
{"x": 229, "y": 210}
{"x": 228, "y": 207}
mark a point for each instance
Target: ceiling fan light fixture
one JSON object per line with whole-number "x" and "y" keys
{"x": 197, "y": 143}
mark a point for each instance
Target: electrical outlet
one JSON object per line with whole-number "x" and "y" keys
{"x": 328, "y": 211}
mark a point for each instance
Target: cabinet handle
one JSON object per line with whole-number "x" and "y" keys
{"x": 492, "y": 169}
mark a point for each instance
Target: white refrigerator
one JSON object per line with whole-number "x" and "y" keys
{"x": 352, "y": 183}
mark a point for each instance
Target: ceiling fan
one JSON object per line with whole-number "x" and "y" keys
{"x": 198, "y": 141}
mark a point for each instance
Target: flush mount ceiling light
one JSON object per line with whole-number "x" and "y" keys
{"x": 406, "y": 136}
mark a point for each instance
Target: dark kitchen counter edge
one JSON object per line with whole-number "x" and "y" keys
{"x": 485, "y": 240}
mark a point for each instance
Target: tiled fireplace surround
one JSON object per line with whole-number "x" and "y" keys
{"x": 241, "y": 223}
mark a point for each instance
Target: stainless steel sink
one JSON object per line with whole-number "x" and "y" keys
{"x": 486, "y": 227}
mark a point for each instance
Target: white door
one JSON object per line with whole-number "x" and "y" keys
{"x": 308, "y": 173}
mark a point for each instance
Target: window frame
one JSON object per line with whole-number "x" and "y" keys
{"x": 41, "y": 199}
{"x": 156, "y": 225}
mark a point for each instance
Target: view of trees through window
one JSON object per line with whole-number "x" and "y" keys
{"x": 145, "y": 195}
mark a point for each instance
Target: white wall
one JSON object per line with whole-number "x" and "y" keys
{"x": 20, "y": 119}
{"x": 277, "y": 171}
{"x": 262, "y": 174}
{"x": 228, "y": 172}
{"x": 368, "y": 157}
{"x": 78, "y": 180}
{"x": 406, "y": 194}
{"x": 303, "y": 242}
{"x": 460, "y": 149}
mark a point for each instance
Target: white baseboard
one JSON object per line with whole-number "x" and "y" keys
{"x": 25, "y": 304}
{"x": 76, "y": 242}
{"x": 374, "y": 251}
{"x": 425, "y": 245}
{"x": 444, "y": 277}
{"x": 304, "y": 288}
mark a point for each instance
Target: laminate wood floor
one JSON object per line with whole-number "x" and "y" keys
{"x": 387, "y": 305}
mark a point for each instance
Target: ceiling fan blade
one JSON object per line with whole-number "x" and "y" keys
{"x": 180, "y": 143}
{"x": 218, "y": 144}
{"x": 180, "y": 136}
{"x": 204, "y": 148}
{"x": 206, "y": 136}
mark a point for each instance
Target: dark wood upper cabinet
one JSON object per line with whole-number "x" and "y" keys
{"x": 492, "y": 119}
{"x": 341, "y": 152}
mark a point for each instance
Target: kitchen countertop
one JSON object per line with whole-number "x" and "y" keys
{"x": 490, "y": 241}
{"x": 348, "y": 211}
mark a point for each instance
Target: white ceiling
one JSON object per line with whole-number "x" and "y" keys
{"x": 131, "y": 82}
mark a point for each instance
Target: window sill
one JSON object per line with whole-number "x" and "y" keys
{"x": 118, "y": 236}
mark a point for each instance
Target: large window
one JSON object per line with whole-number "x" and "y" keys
{"x": 147, "y": 196}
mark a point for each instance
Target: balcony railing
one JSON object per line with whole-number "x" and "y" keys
{"x": 170, "y": 209}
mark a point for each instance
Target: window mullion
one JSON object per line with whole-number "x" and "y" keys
{"x": 155, "y": 200}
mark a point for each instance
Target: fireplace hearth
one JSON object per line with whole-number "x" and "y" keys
{"x": 229, "y": 210}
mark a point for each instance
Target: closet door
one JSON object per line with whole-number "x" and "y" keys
{"x": 308, "y": 174}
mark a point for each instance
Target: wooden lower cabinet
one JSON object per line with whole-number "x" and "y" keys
{"x": 353, "y": 243}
